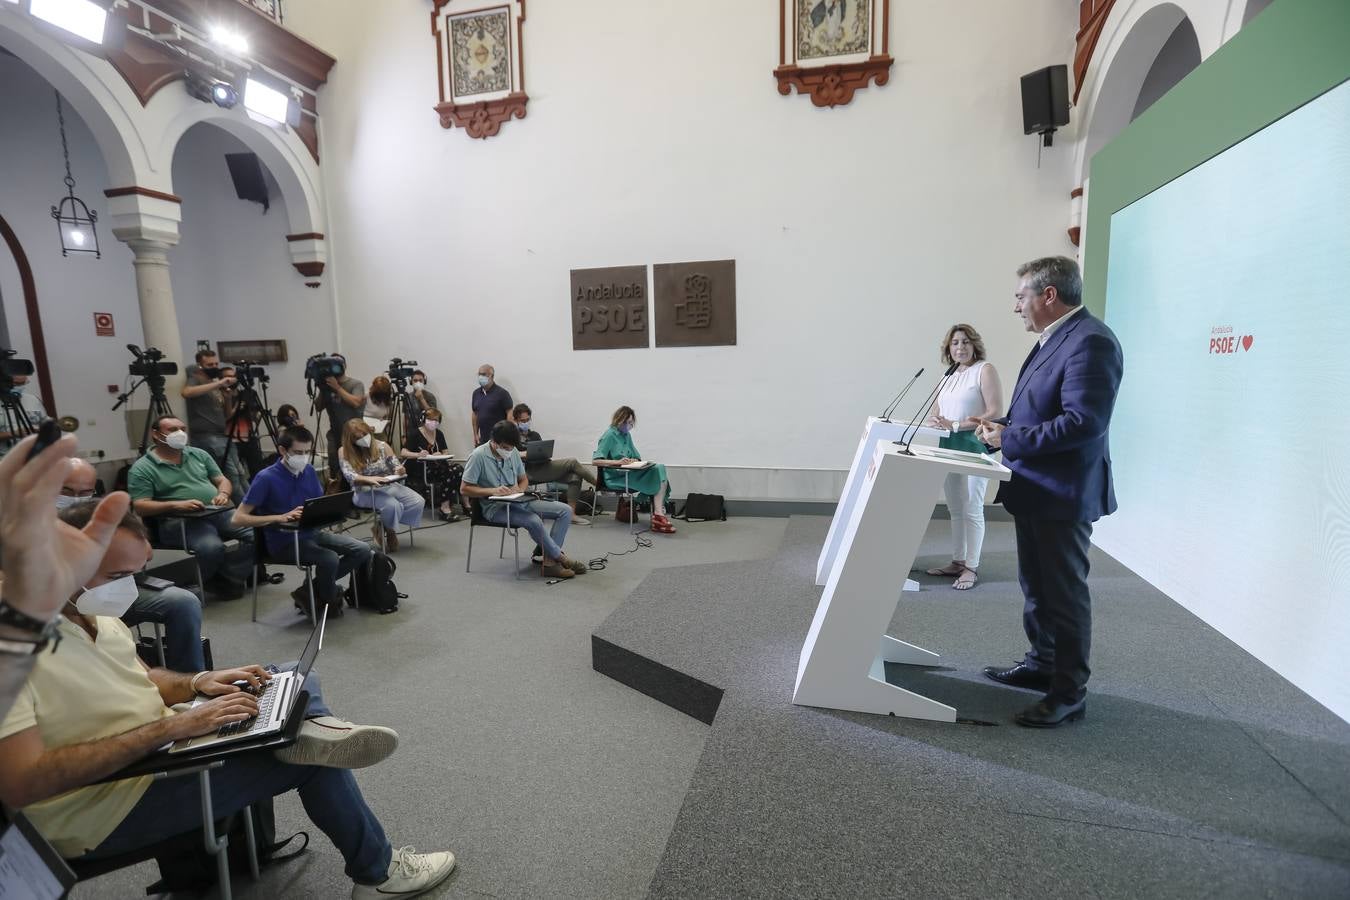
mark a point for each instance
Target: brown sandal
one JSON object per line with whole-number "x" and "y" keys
{"x": 962, "y": 583}
{"x": 951, "y": 569}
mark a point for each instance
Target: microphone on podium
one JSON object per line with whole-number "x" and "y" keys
{"x": 890, "y": 407}
{"x": 913, "y": 429}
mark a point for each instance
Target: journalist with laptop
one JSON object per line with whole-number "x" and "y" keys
{"x": 92, "y": 708}
{"x": 543, "y": 468}
{"x": 277, "y": 498}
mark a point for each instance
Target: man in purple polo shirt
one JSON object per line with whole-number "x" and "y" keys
{"x": 277, "y": 497}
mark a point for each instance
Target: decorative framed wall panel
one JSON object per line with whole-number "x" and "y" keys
{"x": 830, "y": 49}
{"x": 480, "y": 64}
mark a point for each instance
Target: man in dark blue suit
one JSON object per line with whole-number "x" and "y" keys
{"x": 1055, "y": 440}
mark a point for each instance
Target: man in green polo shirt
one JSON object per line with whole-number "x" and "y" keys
{"x": 173, "y": 481}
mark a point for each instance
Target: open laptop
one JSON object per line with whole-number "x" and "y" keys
{"x": 274, "y": 703}
{"x": 325, "y": 510}
{"x": 538, "y": 451}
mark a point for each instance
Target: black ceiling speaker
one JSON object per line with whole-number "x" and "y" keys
{"x": 247, "y": 174}
{"x": 1045, "y": 101}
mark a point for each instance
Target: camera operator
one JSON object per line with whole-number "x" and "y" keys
{"x": 343, "y": 398}
{"x": 209, "y": 396}
{"x": 422, "y": 398}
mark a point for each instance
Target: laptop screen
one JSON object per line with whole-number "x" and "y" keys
{"x": 311, "y": 650}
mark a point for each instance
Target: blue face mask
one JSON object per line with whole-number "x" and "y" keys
{"x": 483, "y": 380}
{"x": 625, "y": 427}
{"x": 523, "y": 426}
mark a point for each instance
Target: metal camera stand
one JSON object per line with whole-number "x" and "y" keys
{"x": 252, "y": 409}
{"x": 17, "y": 424}
{"x": 402, "y": 413}
{"x": 151, "y": 371}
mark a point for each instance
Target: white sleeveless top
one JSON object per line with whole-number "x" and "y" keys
{"x": 961, "y": 397}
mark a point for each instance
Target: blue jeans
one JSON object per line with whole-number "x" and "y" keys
{"x": 530, "y": 516}
{"x": 331, "y": 555}
{"x": 331, "y": 798}
{"x": 226, "y": 455}
{"x": 397, "y": 504}
{"x": 180, "y": 612}
{"x": 206, "y": 539}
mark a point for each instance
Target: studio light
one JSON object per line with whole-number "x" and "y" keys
{"x": 224, "y": 95}
{"x": 208, "y": 90}
{"x": 82, "y": 18}
{"x": 229, "y": 39}
{"x": 266, "y": 102}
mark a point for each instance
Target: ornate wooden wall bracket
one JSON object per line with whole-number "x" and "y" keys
{"x": 480, "y": 63}
{"x": 484, "y": 118}
{"x": 833, "y": 85}
{"x": 831, "y": 49}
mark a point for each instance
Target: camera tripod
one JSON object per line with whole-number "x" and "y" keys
{"x": 17, "y": 424}
{"x": 403, "y": 414}
{"x": 159, "y": 405}
{"x": 251, "y": 414}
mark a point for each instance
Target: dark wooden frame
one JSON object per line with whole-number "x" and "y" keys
{"x": 830, "y": 84}
{"x": 30, "y": 304}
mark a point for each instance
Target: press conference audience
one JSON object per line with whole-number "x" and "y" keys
{"x": 277, "y": 497}
{"x": 564, "y": 470}
{"x": 342, "y": 400}
{"x": 44, "y": 559}
{"x": 494, "y": 470}
{"x": 174, "y": 483}
{"x": 615, "y": 450}
{"x": 62, "y": 735}
{"x": 491, "y": 403}
{"x": 971, "y": 393}
{"x": 444, "y": 475}
{"x": 380, "y": 403}
{"x": 209, "y": 396}
{"x": 178, "y": 610}
{"x": 288, "y": 417}
{"x": 368, "y": 464}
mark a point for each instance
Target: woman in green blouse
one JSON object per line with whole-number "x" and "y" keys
{"x": 616, "y": 448}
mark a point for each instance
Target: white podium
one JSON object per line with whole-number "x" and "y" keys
{"x": 842, "y": 665}
{"x": 875, "y": 432}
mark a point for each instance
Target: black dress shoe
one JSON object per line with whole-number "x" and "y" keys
{"x": 1019, "y": 676}
{"x": 1051, "y": 712}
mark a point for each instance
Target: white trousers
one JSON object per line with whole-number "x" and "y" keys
{"x": 965, "y": 503}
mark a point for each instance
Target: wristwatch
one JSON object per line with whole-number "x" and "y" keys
{"x": 43, "y": 633}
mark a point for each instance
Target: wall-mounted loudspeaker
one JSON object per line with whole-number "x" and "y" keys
{"x": 1045, "y": 101}
{"x": 247, "y": 174}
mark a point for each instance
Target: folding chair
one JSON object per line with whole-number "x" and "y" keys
{"x": 476, "y": 519}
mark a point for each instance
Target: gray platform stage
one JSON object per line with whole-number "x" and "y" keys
{"x": 1197, "y": 773}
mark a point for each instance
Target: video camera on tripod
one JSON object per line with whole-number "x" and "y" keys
{"x": 149, "y": 364}
{"x": 320, "y": 367}
{"x": 246, "y": 375}
{"x": 11, "y": 367}
{"x": 400, "y": 370}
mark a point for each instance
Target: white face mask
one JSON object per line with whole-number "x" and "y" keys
{"x": 432, "y": 424}
{"x": 483, "y": 380}
{"x": 363, "y": 441}
{"x": 176, "y": 440}
{"x": 111, "y": 599}
{"x": 297, "y": 463}
{"x": 64, "y": 502}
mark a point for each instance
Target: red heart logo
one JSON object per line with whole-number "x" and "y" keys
{"x": 1246, "y": 342}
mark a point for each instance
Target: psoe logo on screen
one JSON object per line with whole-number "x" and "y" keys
{"x": 1223, "y": 341}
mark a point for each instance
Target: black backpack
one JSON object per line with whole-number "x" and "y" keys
{"x": 186, "y": 866}
{"x": 378, "y": 591}
{"x": 704, "y": 508}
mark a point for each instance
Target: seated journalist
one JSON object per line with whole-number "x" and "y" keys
{"x": 173, "y": 480}
{"x": 615, "y": 450}
{"x": 565, "y": 470}
{"x": 62, "y": 735}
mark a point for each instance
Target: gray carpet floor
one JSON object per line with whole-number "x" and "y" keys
{"x": 1198, "y": 772}
{"x": 546, "y": 779}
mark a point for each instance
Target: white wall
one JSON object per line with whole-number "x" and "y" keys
{"x": 231, "y": 271}
{"x": 655, "y": 133}
{"x": 69, "y": 289}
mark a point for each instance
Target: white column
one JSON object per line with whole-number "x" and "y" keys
{"x": 147, "y": 221}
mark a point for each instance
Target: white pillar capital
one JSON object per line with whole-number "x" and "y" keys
{"x": 309, "y": 255}
{"x": 139, "y": 213}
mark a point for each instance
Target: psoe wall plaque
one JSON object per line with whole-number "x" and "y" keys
{"x": 609, "y": 308}
{"x": 695, "y": 303}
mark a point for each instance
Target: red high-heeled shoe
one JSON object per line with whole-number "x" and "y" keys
{"x": 662, "y": 524}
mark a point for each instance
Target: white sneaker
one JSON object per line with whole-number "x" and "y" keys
{"x": 329, "y": 741}
{"x": 409, "y": 874}
{"x": 580, "y": 520}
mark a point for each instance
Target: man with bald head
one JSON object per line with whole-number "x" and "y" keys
{"x": 491, "y": 403}
{"x": 178, "y": 610}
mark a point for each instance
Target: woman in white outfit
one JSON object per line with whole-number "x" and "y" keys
{"x": 972, "y": 392}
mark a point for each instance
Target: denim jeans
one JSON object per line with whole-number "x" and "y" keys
{"x": 332, "y": 556}
{"x": 397, "y": 504}
{"x": 331, "y": 798}
{"x": 206, "y": 537}
{"x": 530, "y": 516}
{"x": 226, "y": 455}
{"x": 180, "y": 612}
